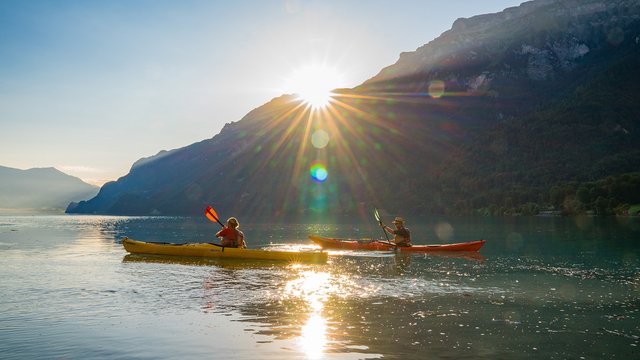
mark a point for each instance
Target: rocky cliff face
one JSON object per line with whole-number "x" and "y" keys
{"x": 540, "y": 40}
{"x": 499, "y": 109}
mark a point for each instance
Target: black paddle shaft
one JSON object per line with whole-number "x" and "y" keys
{"x": 377, "y": 215}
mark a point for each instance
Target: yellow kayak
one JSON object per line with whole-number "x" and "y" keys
{"x": 207, "y": 250}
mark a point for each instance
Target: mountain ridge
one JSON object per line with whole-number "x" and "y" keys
{"x": 41, "y": 188}
{"x": 471, "y": 120}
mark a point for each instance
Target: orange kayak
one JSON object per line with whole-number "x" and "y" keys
{"x": 350, "y": 244}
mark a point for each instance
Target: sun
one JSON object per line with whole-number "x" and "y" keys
{"x": 314, "y": 84}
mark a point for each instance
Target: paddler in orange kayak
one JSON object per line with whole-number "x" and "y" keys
{"x": 401, "y": 235}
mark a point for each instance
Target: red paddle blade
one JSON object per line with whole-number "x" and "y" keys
{"x": 211, "y": 214}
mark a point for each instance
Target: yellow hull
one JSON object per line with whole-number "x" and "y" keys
{"x": 206, "y": 250}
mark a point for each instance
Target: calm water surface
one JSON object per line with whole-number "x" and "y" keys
{"x": 545, "y": 288}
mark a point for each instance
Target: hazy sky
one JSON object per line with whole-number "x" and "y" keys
{"x": 89, "y": 87}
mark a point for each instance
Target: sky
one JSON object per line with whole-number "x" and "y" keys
{"x": 91, "y": 86}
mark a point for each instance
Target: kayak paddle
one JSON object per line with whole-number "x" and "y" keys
{"x": 212, "y": 215}
{"x": 377, "y": 215}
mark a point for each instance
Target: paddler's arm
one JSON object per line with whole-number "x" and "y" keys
{"x": 221, "y": 232}
{"x": 387, "y": 229}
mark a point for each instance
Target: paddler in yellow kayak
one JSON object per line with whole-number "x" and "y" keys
{"x": 401, "y": 235}
{"x": 231, "y": 235}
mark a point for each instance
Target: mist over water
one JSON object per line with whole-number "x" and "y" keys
{"x": 544, "y": 288}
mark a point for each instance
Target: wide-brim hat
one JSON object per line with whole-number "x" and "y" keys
{"x": 398, "y": 220}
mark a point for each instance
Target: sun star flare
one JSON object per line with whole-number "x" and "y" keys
{"x": 314, "y": 84}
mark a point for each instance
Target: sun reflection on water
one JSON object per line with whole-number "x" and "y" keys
{"x": 312, "y": 287}
{"x": 314, "y": 338}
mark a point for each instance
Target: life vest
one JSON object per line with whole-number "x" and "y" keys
{"x": 232, "y": 235}
{"x": 405, "y": 234}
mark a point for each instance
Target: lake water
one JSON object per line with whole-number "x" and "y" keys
{"x": 547, "y": 288}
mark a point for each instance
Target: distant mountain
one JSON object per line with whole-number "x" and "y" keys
{"x": 519, "y": 108}
{"x": 41, "y": 188}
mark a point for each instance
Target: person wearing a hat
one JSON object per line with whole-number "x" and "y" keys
{"x": 231, "y": 235}
{"x": 401, "y": 235}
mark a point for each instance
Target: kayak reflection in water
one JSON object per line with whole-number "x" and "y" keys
{"x": 401, "y": 235}
{"x": 231, "y": 235}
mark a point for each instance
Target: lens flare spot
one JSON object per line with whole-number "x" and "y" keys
{"x": 318, "y": 172}
{"x": 436, "y": 89}
{"x": 320, "y": 139}
{"x": 515, "y": 241}
{"x": 444, "y": 231}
